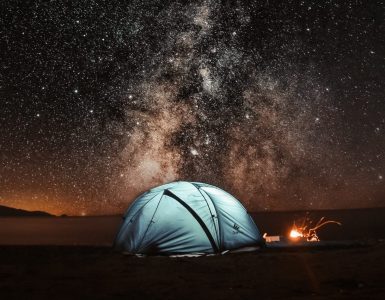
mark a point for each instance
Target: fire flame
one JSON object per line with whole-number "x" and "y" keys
{"x": 294, "y": 233}
{"x": 305, "y": 231}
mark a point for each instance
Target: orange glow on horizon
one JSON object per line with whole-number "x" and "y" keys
{"x": 43, "y": 203}
{"x": 63, "y": 206}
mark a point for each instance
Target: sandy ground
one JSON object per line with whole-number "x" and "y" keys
{"x": 44, "y": 271}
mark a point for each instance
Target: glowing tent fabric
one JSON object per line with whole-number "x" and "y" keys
{"x": 183, "y": 217}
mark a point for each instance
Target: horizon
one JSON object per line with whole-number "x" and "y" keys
{"x": 112, "y": 214}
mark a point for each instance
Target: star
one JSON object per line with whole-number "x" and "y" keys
{"x": 194, "y": 152}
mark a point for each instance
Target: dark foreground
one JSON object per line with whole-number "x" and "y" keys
{"x": 62, "y": 272}
{"x": 82, "y": 265}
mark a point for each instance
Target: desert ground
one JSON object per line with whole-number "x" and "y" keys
{"x": 72, "y": 258}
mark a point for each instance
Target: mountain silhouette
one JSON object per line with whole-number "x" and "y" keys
{"x": 6, "y": 211}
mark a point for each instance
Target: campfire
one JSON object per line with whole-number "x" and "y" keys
{"x": 308, "y": 232}
{"x": 303, "y": 230}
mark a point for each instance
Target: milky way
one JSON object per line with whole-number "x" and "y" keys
{"x": 247, "y": 97}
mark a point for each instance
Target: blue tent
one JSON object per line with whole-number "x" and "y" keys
{"x": 186, "y": 217}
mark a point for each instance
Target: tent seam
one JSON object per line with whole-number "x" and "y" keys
{"x": 212, "y": 217}
{"x": 196, "y": 217}
{"x": 124, "y": 226}
{"x": 219, "y": 223}
{"x": 148, "y": 226}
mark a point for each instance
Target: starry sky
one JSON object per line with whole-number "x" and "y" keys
{"x": 281, "y": 103}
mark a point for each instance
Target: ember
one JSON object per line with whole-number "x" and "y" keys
{"x": 306, "y": 231}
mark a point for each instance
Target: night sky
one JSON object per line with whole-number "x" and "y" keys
{"x": 281, "y": 103}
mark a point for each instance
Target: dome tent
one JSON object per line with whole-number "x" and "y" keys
{"x": 186, "y": 217}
